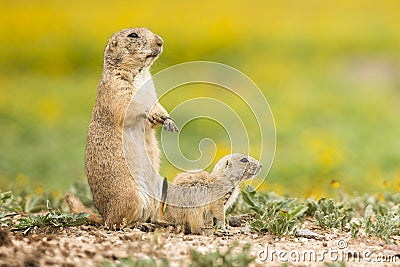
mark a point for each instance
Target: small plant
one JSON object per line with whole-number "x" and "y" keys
{"x": 368, "y": 219}
{"x": 27, "y": 201}
{"x": 8, "y": 203}
{"x": 394, "y": 198}
{"x": 33, "y": 202}
{"x": 54, "y": 218}
{"x": 277, "y": 222}
{"x": 331, "y": 214}
{"x": 8, "y": 207}
{"x": 386, "y": 226}
{"x": 312, "y": 205}
{"x": 217, "y": 258}
{"x": 277, "y": 215}
{"x": 355, "y": 227}
{"x": 383, "y": 225}
{"x": 281, "y": 224}
{"x": 255, "y": 201}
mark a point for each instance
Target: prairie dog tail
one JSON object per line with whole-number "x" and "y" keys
{"x": 75, "y": 205}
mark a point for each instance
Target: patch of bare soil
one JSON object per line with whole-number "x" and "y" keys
{"x": 90, "y": 245}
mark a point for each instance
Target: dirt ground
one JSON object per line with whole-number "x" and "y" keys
{"x": 89, "y": 245}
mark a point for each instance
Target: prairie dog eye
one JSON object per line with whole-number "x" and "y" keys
{"x": 244, "y": 160}
{"x": 227, "y": 163}
{"x": 133, "y": 35}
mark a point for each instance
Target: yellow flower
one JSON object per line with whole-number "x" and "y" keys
{"x": 387, "y": 184}
{"x": 335, "y": 184}
{"x": 39, "y": 190}
{"x": 380, "y": 197}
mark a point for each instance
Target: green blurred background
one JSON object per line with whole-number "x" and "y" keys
{"x": 329, "y": 69}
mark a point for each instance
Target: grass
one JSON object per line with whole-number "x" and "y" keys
{"x": 54, "y": 218}
{"x": 269, "y": 213}
{"x": 8, "y": 203}
{"x": 330, "y": 214}
{"x": 374, "y": 215}
{"x": 27, "y": 201}
{"x": 281, "y": 215}
{"x": 383, "y": 225}
{"x": 26, "y": 204}
{"x": 278, "y": 216}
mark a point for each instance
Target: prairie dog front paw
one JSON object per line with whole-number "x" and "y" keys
{"x": 169, "y": 125}
{"x": 167, "y": 122}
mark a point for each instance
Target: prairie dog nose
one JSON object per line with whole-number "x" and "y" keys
{"x": 159, "y": 41}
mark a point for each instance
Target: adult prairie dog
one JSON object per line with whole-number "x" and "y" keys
{"x": 122, "y": 154}
{"x": 196, "y": 197}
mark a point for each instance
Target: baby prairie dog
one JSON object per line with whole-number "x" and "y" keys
{"x": 196, "y": 197}
{"x": 122, "y": 154}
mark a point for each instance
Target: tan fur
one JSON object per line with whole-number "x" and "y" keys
{"x": 122, "y": 154}
{"x": 203, "y": 196}
{"x": 77, "y": 206}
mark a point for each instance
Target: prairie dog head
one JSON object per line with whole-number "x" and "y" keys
{"x": 132, "y": 49}
{"x": 240, "y": 166}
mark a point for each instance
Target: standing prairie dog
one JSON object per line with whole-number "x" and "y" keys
{"x": 196, "y": 197}
{"x": 122, "y": 154}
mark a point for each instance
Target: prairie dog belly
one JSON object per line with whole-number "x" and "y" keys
{"x": 140, "y": 143}
{"x": 146, "y": 94}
